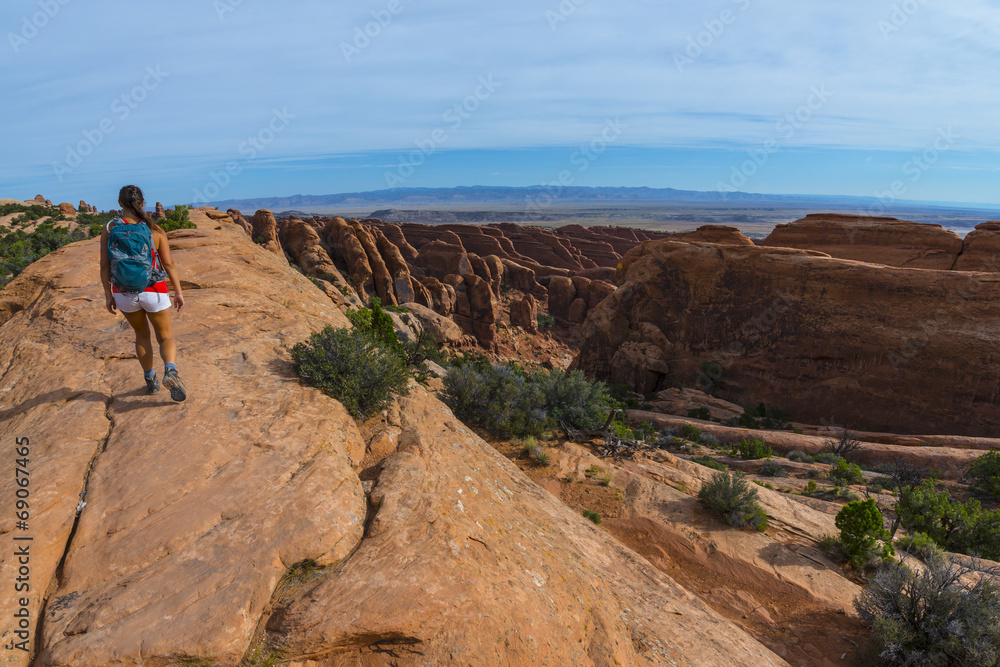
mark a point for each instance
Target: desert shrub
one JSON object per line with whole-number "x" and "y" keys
{"x": 624, "y": 396}
{"x": 529, "y": 445}
{"x": 763, "y": 416}
{"x": 946, "y": 614}
{"x": 844, "y": 444}
{"x": 960, "y": 527}
{"x": 827, "y": 457}
{"x": 862, "y": 533}
{"x": 810, "y": 489}
{"x": 920, "y": 544}
{"x": 19, "y": 249}
{"x": 844, "y": 473}
{"x": 985, "y": 472}
{"x": 771, "y": 468}
{"x": 709, "y": 462}
{"x": 700, "y": 413}
{"x": 800, "y": 457}
{"x": 540, "y": 457}
{"x": 353, "y": 367}
{"x": 476, "y": 360}
{"x": 877, "y": 484}
{"x": 708, "y": 440}
{"x": 574, "y": 401}
{"x": 752, "y": 448}
{"x": 689, "y": 432}
{"x": 593, "y": 516}
{"x": 545, "y": 322}
{"x": 177, "y": 218}
{"x": 729, "y": 495}
{"x": 500, "y": 399}
{"x": 375, "y": 321}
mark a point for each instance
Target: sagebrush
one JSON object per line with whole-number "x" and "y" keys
{"x": 734, "y": 499}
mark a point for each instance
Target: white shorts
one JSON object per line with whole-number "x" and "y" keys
{"x": 151, "y": 302}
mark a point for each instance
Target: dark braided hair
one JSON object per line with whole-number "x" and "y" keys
{"x": 133, "y": 204}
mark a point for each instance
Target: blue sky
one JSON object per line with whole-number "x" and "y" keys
{"x": 244, "y": 98}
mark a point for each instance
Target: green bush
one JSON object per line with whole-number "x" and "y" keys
{"x": 545, "y": 322}
{"x": 177, "y": 218}
{"x": 593, "y": 516}
{"x": 959, "y": 527}
{"x": 709, "y": 462}
{"x": 920, "y": 544}
{"x": 501, "y": 399}
{"x": 844, "y": 473}
{"x": 375, "y": 321}
{"x": 353, "y": 367}
{"x": 752, "y": 448}
{"x": 946, "y": 614}
{"x": 708, "y": 440}
{"x": 19, "y": 249}
{"x": 729, "y": 495}
{"x": 828, "y": 458}
{"x": 689, "y": 432}
{"x": 700, "y": 413}
{"x": 574, "y": 401}
{"x": 800, "y": 457}
{"x": 861, "y": 531}
{"x": 985, "y": 471}
{"x": 772, "y": 469}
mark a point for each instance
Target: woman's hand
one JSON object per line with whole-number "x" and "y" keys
{"x": 178, "y": 300}
{"x": 109, "y": 302}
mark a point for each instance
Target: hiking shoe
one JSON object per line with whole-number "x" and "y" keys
{"x": 174, "y": 384}
{"x": 152, "y": 384}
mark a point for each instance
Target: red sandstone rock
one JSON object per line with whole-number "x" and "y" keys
{"x": 443, "y": 296}
{"x": 380, "y": 274}
{"x": 440, "y": 259}
{"x": 66, "y": 209}
{"x": 398, "y": 270}
{"x": 265, "y": 232}
{"x": 160, "y": 213}
{"x": 302, "y": 242}
{"x": 599, "y": 291}
{"x": 238, "y": 218}
{"x": 577, "y": 312}
{"x": 341, "y": 239}
{"x": 871, "y": 239}
{"x": 880, "y": 348}
{"x": 981, "y": 249}
{"x": 524, "y": 313}
{"x": 40, "y": 199}
{"x": 715, "y": 234}
{"x": 562, "y": 291}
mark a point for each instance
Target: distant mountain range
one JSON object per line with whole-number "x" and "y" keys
{"x": 483, "y": 204}
{"x": 534, "y": 196}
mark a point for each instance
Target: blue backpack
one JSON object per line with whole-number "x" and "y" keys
{"x": 130, "y": 249}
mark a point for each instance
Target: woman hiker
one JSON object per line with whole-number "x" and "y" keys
{"x": 135, "y": 259}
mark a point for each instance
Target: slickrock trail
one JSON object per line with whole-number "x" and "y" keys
{"x": 161, "y": 532}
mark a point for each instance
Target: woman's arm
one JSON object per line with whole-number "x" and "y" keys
{"x": 109, "y": 299}
{"x": 167, "y": 262}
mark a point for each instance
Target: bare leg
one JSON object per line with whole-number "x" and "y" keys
{"x": 143, "y": 345}
{"x": 164, "y": 336}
